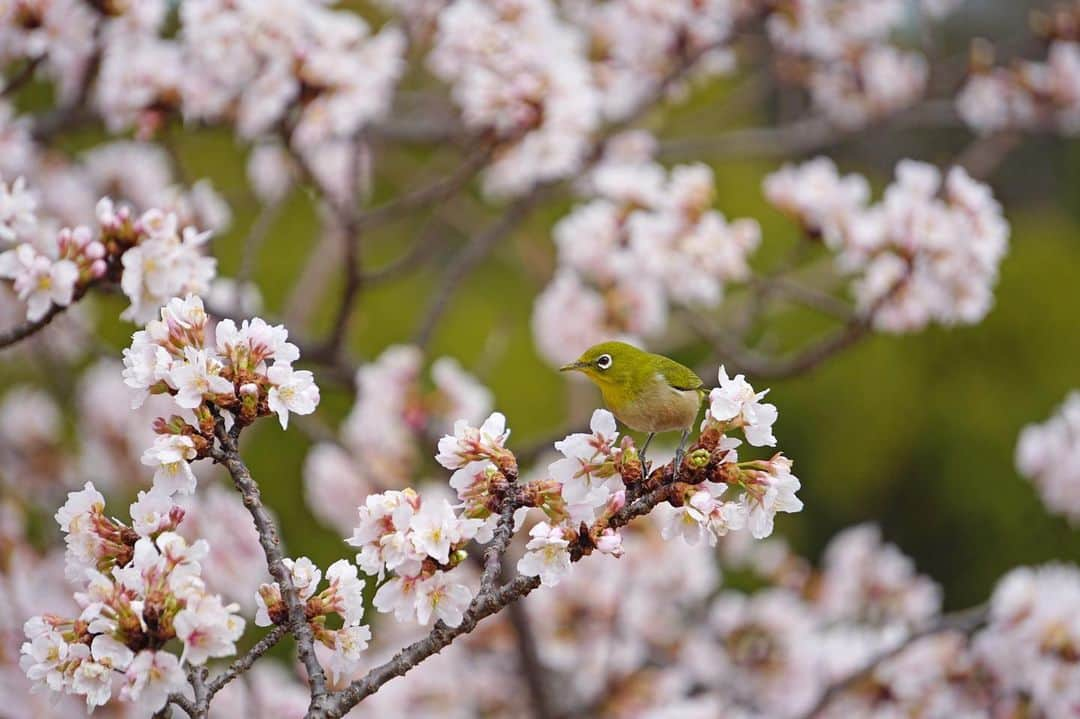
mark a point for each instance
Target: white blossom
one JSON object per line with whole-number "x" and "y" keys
{"x": 547, "y": 555}
{"x": 291, "y": 391}
{"x": 171, "y": 458}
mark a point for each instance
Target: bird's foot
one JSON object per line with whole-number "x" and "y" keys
{"x": 679, "y": 455}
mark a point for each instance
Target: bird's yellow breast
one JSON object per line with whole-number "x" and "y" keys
{"x": 658, "y": 408}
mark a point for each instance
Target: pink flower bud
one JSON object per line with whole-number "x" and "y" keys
{"x": 617, "y": 501}
{"x": 94, "y": 251}
{"x": 97, "y": 268}
{"x": 610, "y": 542}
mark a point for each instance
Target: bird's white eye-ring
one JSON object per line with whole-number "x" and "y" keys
{"x": 603, "y": 361}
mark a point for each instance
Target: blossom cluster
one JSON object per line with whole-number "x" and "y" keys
{"x": 1049, "y": 455}
{"x": 232, "y": 375}
{"x": 928, "y": 252}
{"x": 840, "y": 51}
{"x": 151, "y": 256}
{"x": 636, "y": 46}
{"x": 1032, "y": 640}
{"x": 421, "y": 542}
{"x": 1028, "y": 95}
{"x": 138, "y": 587}
{"x": 394, "y": 415}
{"x": 518, "y": 69}
{"x": 753, "y": 491}
{"x": 250, "y": 63}
{"x": 657, "y": 634}
{"x": 648, "y": 239}
{"x": 343, "y": 596}
{"x": 592, "y": 477}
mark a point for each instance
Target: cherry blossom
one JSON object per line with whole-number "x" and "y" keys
{"x": 291, "y": 391}
{"x": 928, "y": 252}
{"x": 735, "y": 402}
{"x": 152, "y": 592}
{"x": 469, "y": 444}
{"x": 546, "y": 556}
{"x": 18, "y": 217}
{"x": 529, "y": 82}
{"x": 1049, "y": 455}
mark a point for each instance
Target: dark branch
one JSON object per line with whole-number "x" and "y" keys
{"x": 531, "y": 668}
{"x": 740, "y": 358}
{"x": 495, "y": 598}
{"x": 243, "y": 663}
{"x": 22, "y": 77}
{"x": 438, "y": 191}
{"x": 966, "y": 622}
{"x": 471, "y": 256}
{"x": 21, "y": 332}
{"x": 228, "y": 455}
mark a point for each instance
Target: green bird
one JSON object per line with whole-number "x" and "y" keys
{"x": 646, "y": 392}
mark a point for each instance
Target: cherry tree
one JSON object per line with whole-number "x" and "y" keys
{"x": 541, "y": 113}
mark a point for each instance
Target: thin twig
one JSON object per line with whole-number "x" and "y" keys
{"x": 421, "y": 248}
{"x": 808, "y": 134}
{"x": 21, "y": 78}
{"x": 438, "y": 191}
{"x": 350, "y": 229}
{"x": 256, "y": 237}
{"x": 966, "y": 622}
{"x": 243, "y": 663}
{"x": 741, "y": 358}
{"x": 20, "y": 332}
{"x": 811, "y": 297}
{"x": 75, "y": 112}
{"x": 471, "y": 256}
{"x": 181, "y": 701}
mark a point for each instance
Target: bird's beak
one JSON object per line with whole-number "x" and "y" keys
{"x": 573, "y": 366}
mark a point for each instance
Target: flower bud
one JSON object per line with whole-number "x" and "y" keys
{"x": 94, "y": 251}
{"x": 698, "y": 458}
{"x": 610, "y": 542}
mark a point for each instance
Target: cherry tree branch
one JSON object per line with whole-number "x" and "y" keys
{"x": 22, "y": 77}
{"x": 197, "y": 678}
{"x": 741, "y": 358}
{"x": 642, "y": 497}
{"x": 967, "y": 622}
{"x": 808, "y": 134}
{"x": 532, "y": 669}
{"x": 472, "y": 255}
{"x": 228, "y": 455}
{"x": 244, "y": 662}
{"x": 31, "y": 327}
{"x": 181, "y": 701}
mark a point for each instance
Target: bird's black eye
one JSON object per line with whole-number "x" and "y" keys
{"x": 603, "y": 361}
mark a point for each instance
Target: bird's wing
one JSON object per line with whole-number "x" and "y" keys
{"x": 679, "y": 376}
